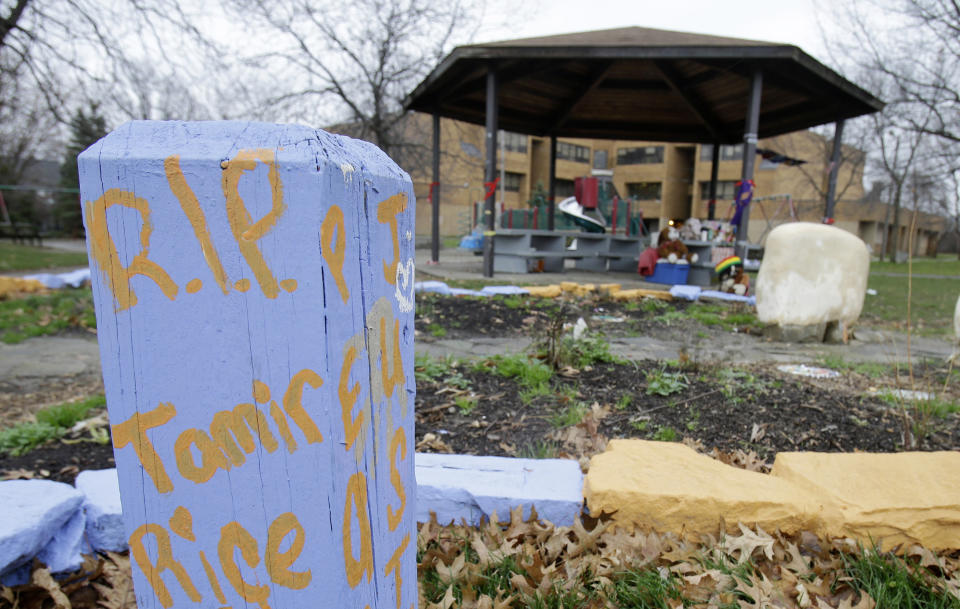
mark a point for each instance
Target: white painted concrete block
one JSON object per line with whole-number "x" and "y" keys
{"x": 811, "y": 274}
{"x": 32, "y": 512}
{"x": 64, "y": 552}
{"x": 101, "y": 490}
{"x": 467, "y": 487}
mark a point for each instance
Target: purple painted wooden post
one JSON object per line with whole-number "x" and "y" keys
{"x": 254, "y": 296}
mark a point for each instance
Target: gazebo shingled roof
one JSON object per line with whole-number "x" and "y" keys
{"x": 640, "y": 84}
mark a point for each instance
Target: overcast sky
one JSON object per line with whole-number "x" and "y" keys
{"x": 789, "y": 21}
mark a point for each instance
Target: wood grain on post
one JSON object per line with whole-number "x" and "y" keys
{"x": 254, "y": 296}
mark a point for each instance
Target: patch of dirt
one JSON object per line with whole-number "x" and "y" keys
{"x": 760, "y": 410}
{"x": 464, "y": 317}
{"x": 21, "y": 398}
{"x": 58, "y": 461}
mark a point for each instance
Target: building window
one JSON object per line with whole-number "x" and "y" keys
{"x": 727, "y": 152}
{"x": 726, "y": 189}
{"x": 644, "y": 155}
{"x": 572, "y": 152}
{"x": 644, "y": 191}
{"x": 512, "y": 181}
{"x": 563, "y": 189}
{"x": 515, "y": 142}
{"x": 599, "y": 159}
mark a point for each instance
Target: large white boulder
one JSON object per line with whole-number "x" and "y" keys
{"x": 812, "y": 274}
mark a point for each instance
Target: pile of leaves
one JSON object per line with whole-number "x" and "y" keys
{"x": 103, "y": 582}
{"x": 531, "y": 564}
{"x": 527, "y": 563}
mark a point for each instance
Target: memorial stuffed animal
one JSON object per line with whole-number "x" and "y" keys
{"x": 731, "y": 276}
{"x": 670, "y": 246}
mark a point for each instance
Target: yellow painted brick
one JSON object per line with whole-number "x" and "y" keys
{"x": 628, "y": 295}
{"x": 895, "y": 498}
{"x": 15, "y": 285}
{"x": 669, "y": 487}
{"x": 544, "y": 291}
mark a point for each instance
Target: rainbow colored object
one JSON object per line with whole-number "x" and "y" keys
{"x": 726, "y": 263}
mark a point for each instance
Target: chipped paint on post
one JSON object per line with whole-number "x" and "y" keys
{"x": 254, "y": 287}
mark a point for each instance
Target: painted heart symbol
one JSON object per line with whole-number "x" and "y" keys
{"x": 404, "y": 286}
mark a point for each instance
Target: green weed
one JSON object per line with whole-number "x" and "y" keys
{"x": 645, "y": 589}
{"x": 436, "y": 330}
{"x": 69, "y": 414}
{"x": 491, "y": 581}
{"x": 466, "y": 404}
{"x": 661, "y": 382}
{"x": 427, "y": 369}
{"x": 665, "y": 433}
{"x": 52, "y": 423}
{"x": 24, "y": 437}
{"x": 532, "y": 375}
{"x": 652, "y": 305}
{"x": 892, "y": 582}
{"x": 624, "y": 402}
{"x": 515, "y": 302}
{"x": 456, "y": 379}
{"x": 571, "y": 415}
{"x": 588, "y": 351}
{"x": 541, "y": 449}
{"x": 640, "y": 426}
{"x": 734, "y": 384}
{"x": 561, "y": 598}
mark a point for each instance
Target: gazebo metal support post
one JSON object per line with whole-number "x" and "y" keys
{"x": 714, "y": 170}
{"x": 552, "y": 189}
{"x": 750, "y": 147}
{"x": 435, "y": 194}
{"x": 491, "y": 172}
{"x": 834, "y": 169}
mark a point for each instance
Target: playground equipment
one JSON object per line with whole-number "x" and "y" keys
{"x": 595, "y": 207}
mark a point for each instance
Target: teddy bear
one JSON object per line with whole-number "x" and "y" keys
{"x": 670, "y": 246}
{"x": 731, "y": 276}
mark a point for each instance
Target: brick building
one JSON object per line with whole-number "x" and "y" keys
{"x": 664, "y": 180}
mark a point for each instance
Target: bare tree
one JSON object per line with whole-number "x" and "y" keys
{"x": 816, "y": 148}
{"x": 352, "y": 63}
{"x": 901, "y": 51}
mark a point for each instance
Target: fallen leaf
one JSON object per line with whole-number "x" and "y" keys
{"x": 117, "y": 593}
{"x": 18, "y": 474}
{"x": 747, "y": 543}
{"x": 432, "y": 443}
{"x": 41, "y": 577}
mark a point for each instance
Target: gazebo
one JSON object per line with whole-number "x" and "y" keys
{"x": 636, "y": 84}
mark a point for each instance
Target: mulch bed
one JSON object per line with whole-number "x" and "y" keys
{"x": 759, "y": 409}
